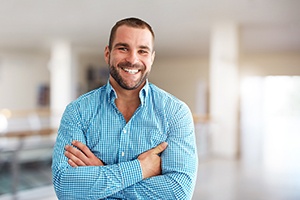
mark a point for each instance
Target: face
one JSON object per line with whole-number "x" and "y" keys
{"x": 130, "y": 58}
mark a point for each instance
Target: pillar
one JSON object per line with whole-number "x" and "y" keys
{"x": 62, "y": 67}
{"x": 224, "y": 87}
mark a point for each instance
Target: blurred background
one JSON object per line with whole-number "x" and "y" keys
{"x": 236, "y": 63}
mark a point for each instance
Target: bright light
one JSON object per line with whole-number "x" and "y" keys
{"x": 3, "y": 123}
{"x": 270, "y": 123}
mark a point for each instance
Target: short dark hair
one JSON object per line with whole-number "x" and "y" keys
{"x": 131, "y": 22}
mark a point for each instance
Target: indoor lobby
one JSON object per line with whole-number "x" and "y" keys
{"x": 235, "y": 63}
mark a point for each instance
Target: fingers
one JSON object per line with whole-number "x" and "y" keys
{"x": 75, "y": 156}
{"x": 83, "y": 148}
{"x": 72, "y": 163}
{"x": 81, "y": 155}
{"x": 151, "y": 162}
{"x": 160, "y": 148}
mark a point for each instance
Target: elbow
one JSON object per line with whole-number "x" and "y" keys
{"x": 183, "y": 186}
{"x": 57, "y": 182}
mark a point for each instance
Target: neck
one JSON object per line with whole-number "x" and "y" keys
{"x": 128, "y": 100}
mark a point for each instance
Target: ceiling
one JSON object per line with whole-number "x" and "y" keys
{"x": 182, "y": 27}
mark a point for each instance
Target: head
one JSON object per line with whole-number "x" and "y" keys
{"x": 130, "y": 53}
{"x": 130, "y": 22}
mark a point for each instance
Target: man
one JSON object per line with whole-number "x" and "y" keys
{"x": 127, "y": 139}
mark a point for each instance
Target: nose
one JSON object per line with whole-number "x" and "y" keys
{"x": 132, "y": 57}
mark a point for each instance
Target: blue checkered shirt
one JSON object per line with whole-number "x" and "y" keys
{"x": 95, "y": 120}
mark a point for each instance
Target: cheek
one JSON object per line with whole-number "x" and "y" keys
{"x": 111, "y": 61}
{"x": 115, "y": 59}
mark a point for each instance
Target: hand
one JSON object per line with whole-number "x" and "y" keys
{"x": 151, "y": 162}
{"x": 81, "y": 156}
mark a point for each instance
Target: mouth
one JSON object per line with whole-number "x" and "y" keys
{"x": 131, "y": 71}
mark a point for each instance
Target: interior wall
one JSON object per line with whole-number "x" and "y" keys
{"x": 183, "y": 77}
{"x": 21, "y": 74}
{"x": 270, "y": 64}
{"x": 85, "y": 60}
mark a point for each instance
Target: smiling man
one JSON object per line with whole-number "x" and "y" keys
{"x": 128, "y": 139}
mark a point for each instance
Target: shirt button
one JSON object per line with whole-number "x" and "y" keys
{"x": 124, "y": 131}
{"x": 123, "y": 153}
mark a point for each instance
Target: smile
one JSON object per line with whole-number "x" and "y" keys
{"x": 131, "y": 71}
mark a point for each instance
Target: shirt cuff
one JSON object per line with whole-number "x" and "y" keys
{"x": 131, "y": 172}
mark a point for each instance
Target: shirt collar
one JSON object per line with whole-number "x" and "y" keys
{"x": 144, "y": 93}
{"x": 110, "y": 91}
{"x": 112, "y": 95}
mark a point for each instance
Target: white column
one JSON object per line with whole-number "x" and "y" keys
{"x": 62, "y": 80}
{"x": 224, "y": 87}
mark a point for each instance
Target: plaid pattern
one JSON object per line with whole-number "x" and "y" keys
{"x": 95, "y": 120}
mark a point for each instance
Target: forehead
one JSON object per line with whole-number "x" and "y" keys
{"x": 133, "y": 36}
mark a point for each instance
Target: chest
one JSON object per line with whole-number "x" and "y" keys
{"x": 127, "y": 110}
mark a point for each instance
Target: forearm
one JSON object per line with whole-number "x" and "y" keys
{"x": 92, "y": 182}
{"x": 179, "y": 172}
{"x": 169, "y": 186}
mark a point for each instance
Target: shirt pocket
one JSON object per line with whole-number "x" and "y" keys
{"x": 147, "y": 140}
{"x": 157, "y": 137}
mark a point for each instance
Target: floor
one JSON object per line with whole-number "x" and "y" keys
{"x": 33, "y": 177}
{"x": 218, "y": 179}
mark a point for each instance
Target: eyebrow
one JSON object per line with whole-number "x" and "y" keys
{"x": 121, "y": 44}
{"x": 145, "y": 47}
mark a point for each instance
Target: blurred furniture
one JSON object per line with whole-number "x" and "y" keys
{"x": 25, "y": 136}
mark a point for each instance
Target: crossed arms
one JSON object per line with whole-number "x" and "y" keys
{"x": 80, "y": 174}
{"x": 82, "y": 156}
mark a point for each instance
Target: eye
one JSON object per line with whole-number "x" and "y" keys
{"x": 123, "y": 49}
{"x": 143, "y": 52}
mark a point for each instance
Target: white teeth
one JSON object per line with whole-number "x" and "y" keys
{"x": 131, "y": 71}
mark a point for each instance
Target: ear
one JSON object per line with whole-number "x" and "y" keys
{"x": 152, "y": 57}
{"x": 106, "y": 54}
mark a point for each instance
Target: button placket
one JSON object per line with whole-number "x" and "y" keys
{"x": 123, "y": 144}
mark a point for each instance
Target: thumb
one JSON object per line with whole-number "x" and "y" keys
{"x": 160, "y": 148}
